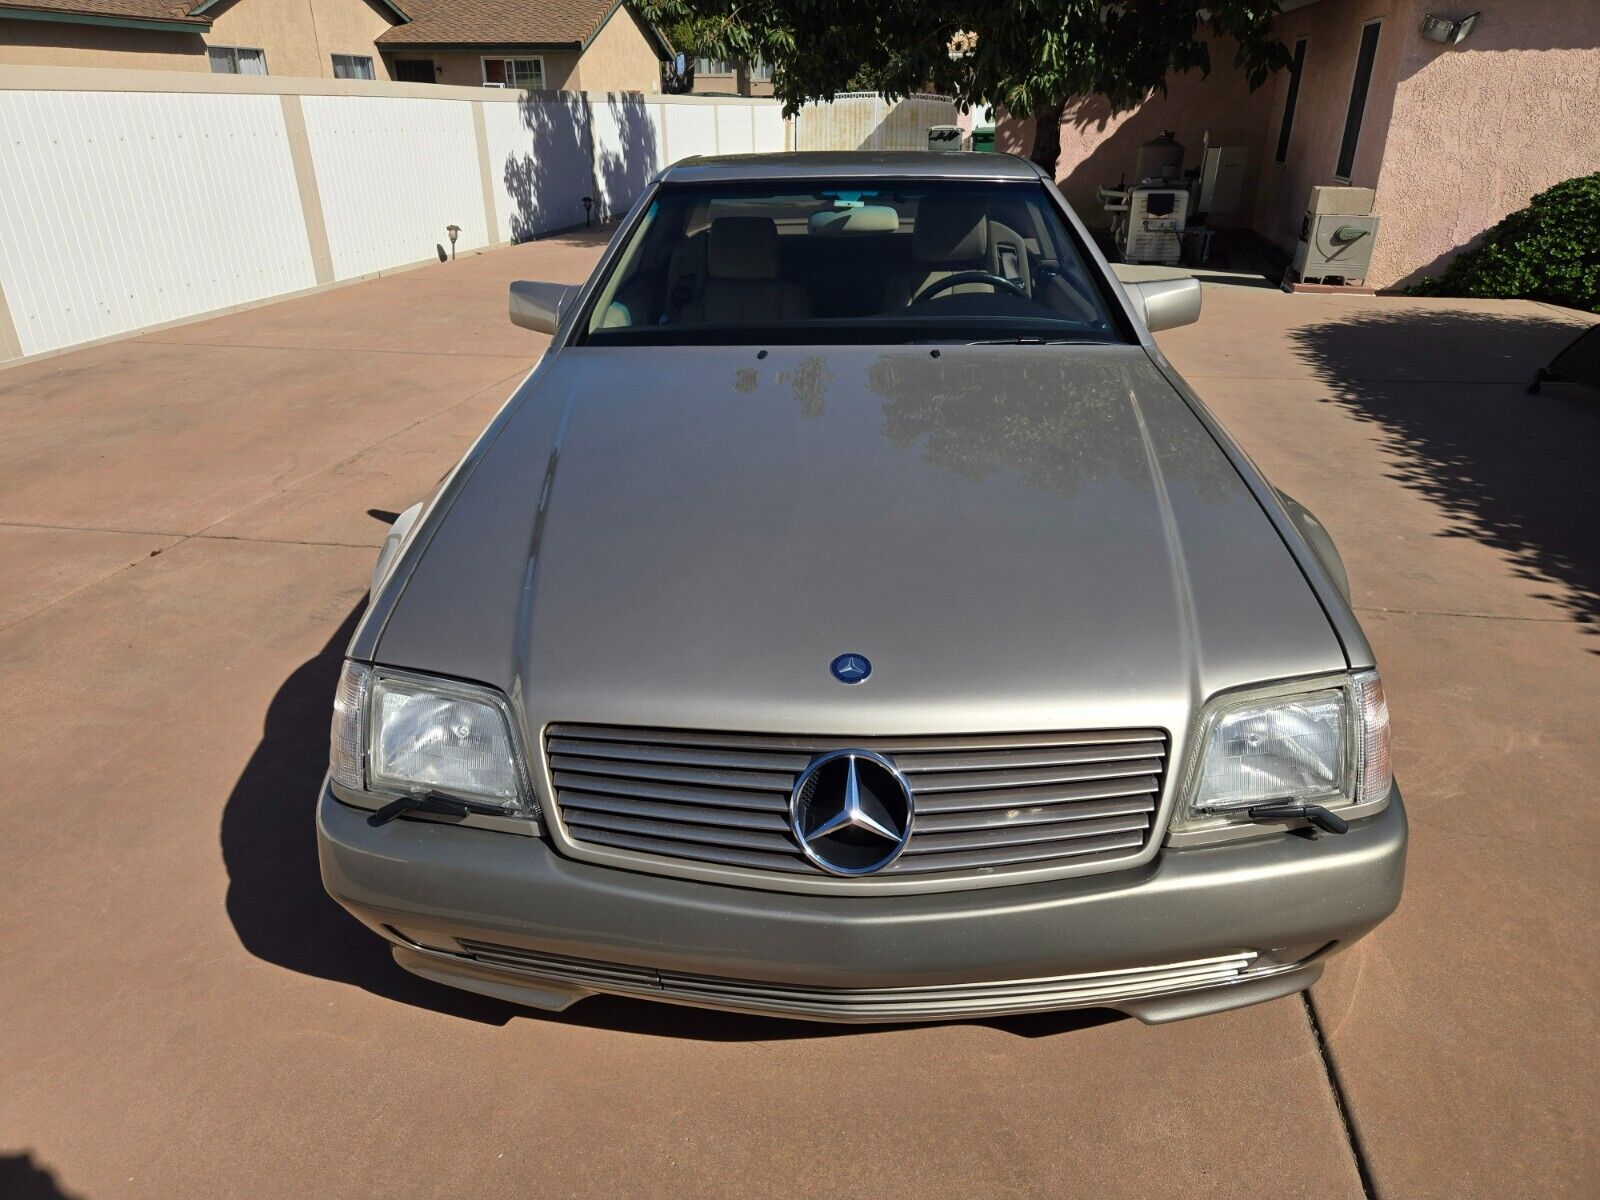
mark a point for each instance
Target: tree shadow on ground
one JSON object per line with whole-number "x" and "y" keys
{"x": 22, "y": 1178}
{"x": 282, "y": 914}
{"x": 1447, "y": 388}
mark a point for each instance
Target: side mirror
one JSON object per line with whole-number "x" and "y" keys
{"x": 537, "y": 306}
{"x": 1166, "y": 303}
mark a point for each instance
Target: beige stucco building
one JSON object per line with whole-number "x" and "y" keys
{"x": 595, "y": 45}
{"x": 1452, "y": 136}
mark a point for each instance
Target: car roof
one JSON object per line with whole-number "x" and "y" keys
{"x": 863, "y": 164}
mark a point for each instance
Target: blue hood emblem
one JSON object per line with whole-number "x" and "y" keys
{"x": 851, "y": 668}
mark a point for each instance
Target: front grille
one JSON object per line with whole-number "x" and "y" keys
{"x": 983, "y": 802}
{"x": 1090, "y": 989}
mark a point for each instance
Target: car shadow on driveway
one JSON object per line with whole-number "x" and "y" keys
{"x": 282, "y": 914}
{"x": 1513, "y": 471}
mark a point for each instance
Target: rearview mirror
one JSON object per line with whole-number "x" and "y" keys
{"x": 1165, "y": 303}
{"x": 537, "y": 306}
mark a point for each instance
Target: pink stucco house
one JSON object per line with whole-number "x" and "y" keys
{"x": 1452, "y": 137}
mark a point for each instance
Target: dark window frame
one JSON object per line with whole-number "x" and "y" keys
{"x": 1297, "y": 68}
{"x": 1360, "y": 87}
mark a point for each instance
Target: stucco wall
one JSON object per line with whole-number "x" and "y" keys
{"x": 1332, "y": 29}
{"x": 622, "y": 58}
{"x": 49, "y": 44}
{"x": 1480, "y": 128}
{"x": 300, "y": 38}
{"x": 1453, "y": 138}
{"x": 1098, "y": 148}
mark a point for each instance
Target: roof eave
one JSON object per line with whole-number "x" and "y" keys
{"x": 204, "y": 5}
{"x": 435, "y": 44}
{"x": 68, "y": 17}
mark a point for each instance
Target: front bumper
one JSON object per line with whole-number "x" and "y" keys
{"x": 1196, "y": 930}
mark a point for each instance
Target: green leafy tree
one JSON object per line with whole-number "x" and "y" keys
{"x": 1033, "y": 57}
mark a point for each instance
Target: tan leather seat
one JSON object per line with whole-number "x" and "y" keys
{"x": 950, "y": 235}
{"x": 741, "y": 284}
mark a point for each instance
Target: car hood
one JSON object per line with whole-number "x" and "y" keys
{"x": 1016, "y": 537}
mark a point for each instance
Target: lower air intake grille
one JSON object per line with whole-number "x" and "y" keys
{"x": 983, "y": 802}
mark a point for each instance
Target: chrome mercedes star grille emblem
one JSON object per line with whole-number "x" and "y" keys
{"x": 851, "y": 810}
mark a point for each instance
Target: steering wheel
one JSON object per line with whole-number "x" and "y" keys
{"x": 998, "y": 282}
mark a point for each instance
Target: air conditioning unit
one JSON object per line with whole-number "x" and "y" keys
{"x": 1152, "y": 231}
{"x": 1337, "y": 234}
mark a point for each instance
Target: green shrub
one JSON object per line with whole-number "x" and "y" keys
{"x": 1547, "y": 251}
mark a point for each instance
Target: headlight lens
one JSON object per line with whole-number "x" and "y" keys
{"x": 1321, "y": 743}
{"x": 1292, "y": 749}
{"x": 401, "y": 733}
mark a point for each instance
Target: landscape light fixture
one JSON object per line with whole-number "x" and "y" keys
{"x": 454, "y": 231}
{"x": 1447, "y": 32}
{"x": 588, "y": 205}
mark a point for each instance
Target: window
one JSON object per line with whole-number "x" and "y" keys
{"x": 352, "y": 66}
{"x": 760, "y": 72}
{"x": 414, "y": 70}
{"x": 712, "y": 66}
{"x": 1295, "y": 68}
{"x": 236, "y": 60}
{"x": 900, "y": 261}
{"x": 527, "y": 73}
{"x": 1358, "y": 99}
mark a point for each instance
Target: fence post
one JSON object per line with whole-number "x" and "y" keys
{"x": 480, "y": 127}
{"x": 10, "y": 341}
{"x": 305, "y": 179}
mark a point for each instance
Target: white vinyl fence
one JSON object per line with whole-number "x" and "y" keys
{"x": 130, "y": 199}
{"x": 866, "y": 121}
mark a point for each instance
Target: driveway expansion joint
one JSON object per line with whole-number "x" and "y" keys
{"x": 1341, "y": 1101}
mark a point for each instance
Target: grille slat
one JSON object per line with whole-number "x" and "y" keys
{"x": 741, "y": 760}
{"x": 586, "y": 802}
{"x": 1057, "y": 756}
{"x": 1075, "y": 794}
{"x": 650, "y": 790}
{"x": 810, "y": 745}
{"x": 1032, "y": 814}
{"x": 961, "y": 781}
{"x": 682, "y": 831}
{"x": 791, "y": 862}
{"x": 1004, "y": 856}
{"x": 771, "y": 781}
{"x": 1022, "y": 835}
{"x": 983, "y": 803}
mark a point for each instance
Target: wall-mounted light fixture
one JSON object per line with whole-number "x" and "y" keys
{"x": 454, "y": 231}
{"x": 1447, "y": 32}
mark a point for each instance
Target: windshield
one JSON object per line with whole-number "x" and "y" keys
{"x": 911, "y": 261}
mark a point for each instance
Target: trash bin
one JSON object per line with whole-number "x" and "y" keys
{"x": 983, "y": 140}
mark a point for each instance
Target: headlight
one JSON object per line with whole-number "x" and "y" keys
{"x": 1321, "y": 743}
{"x": 399, "y": 733}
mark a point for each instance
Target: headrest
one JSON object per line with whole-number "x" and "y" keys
{"x": 742, "y": 248}
{"x": 949, "y": 228}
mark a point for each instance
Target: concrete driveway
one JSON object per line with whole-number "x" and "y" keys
{"x": 187, "y": 521}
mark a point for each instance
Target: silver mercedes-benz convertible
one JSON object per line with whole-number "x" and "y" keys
{"x": 854, "y": 616}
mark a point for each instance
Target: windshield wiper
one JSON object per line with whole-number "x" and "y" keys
{"x": 431, "y": 802}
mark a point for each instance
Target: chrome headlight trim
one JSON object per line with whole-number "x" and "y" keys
{"x": 361, "y": 684}
{"x": 1359, "y": 793}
